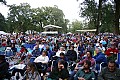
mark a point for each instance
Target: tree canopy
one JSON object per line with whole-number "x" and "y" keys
{"x": 22, "y": 17}
{"x": 103, "y": 15}
{"x": 76, "y": 25}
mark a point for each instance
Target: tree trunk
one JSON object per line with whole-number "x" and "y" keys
{"x": 117, "y": 16}
{"x": 99, "y": 16}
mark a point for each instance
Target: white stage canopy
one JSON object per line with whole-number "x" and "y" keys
{"x": 51, "y": 26}
{"x": 2, "y": 32}
{"x": 49, "y": 32}
{"x": 69, "y": 33}
{"x": 90, "y": 30}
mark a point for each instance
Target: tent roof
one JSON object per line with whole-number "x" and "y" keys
{"x": 69, "y": 33}
{"x": 49, "y": 32}
{"x": 51, "y": 26}
{"x": 2, "y": 32}
{"x": 90, "y": 30}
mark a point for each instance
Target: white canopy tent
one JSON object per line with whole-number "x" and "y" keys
{"x": 50, "y": 32}
{"x": 51, "y": 26}
{"x": 2, "y": 32}
{"x": 90, "y": 30}
{"x": 69, "y": 33}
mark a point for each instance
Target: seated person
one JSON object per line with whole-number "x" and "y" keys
{"x": 101, "y": 47}
{"x": 60, "y": 72}
{"x": 61, "y": 50}
{"x": 111, "y": 72}
{"x": 88, "y": 57}
{"x": 80, "y": 64}
{"x": 24, "y": 54}
{"x": 56, "y": 48}
{"x": 62, "y": 57}
{"x": 14, "y": 49}
{"x": 36, "y": 52}
{"x": 86, "y": 73}
{"x": 4, "y": 66}
{"x": 42, "y": 59}
{"x": 50, "y": 53}
{"x": 99, "y": 58}
{"x": 22, "y": 49}
{"x": 31, "y": 73}
{"x": 111, "y": 52}
{"x": 71, "y": 54}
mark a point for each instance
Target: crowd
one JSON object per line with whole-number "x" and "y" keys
{"x": 65, "y": 56}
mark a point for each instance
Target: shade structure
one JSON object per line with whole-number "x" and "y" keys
{"x": 2, "y": 32}
{"x": 90, "y": 30}
{"x": 49, "y": 32}
{"x": 51, "y": 26}
{"x": 69, "y": 33}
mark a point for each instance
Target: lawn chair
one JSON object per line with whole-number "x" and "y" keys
{"x": 118, "y": 59}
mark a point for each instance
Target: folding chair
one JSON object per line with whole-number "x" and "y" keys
{"x": 26, "y": 45}
{"x": 32, "y": 46}
{"x": 9, "y": 53}
{"x": 32, "y": 59}
{"x": 2, "y": 48}
{"x": 118, "y": 59}
{"x": 2, "y": 52}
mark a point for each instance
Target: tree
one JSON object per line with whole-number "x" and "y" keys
{"x": 2, "y": 18}
{"x": 76, "y": 25}
{"x": 2, "y": 22}
{"x": 117, "y": 16}
{"x": 88, "y": 10}
{"x": 107, "y": 20}
{"x": 19, "y": 17}
{"x": 100, "y": 15}
{"x": 23, "y": 17}
{"x": 53, "y": 16}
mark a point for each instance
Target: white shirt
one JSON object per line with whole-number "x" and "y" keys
{"x": 41, "y": 46}
{"x": 42, "y": 59}
{"x": 58, "y": 53}
{"x": 102, "y": 48}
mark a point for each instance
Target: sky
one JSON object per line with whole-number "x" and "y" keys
{"x": 69, "y": 7}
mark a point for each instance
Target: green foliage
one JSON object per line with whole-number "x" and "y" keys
{"x": 107, "y": 21}
{"x": 100, "y": 14}
{"x": 2, "y": 23}
{"x": 89, "y": 11}
{"x": 23, "y": 17}
{"x": 19, "y": 17}
{"x": 76, "y": 25}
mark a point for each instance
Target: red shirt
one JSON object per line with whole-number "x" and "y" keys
{"x": 113, "y": 50}
{"x": 22, "y": 50}
{"x": 4, "y": 44}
